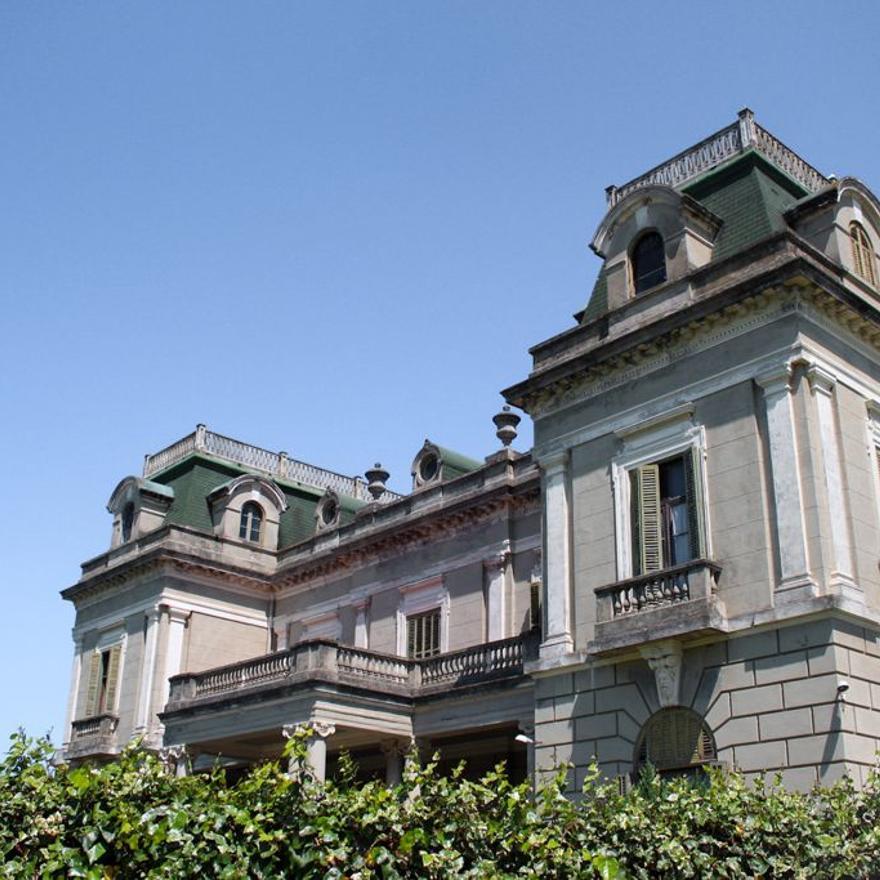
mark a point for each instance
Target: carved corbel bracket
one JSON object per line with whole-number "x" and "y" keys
{"x": 664, "y": 659}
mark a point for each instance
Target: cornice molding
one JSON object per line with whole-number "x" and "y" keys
{"x": 700, "y": 335}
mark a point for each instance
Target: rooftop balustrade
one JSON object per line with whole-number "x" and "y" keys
{"x": 274, "y": 464}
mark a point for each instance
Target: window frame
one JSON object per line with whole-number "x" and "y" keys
{"x": 416, "y": 598}
{"x": 412, "y": 623}
{"x": 246, "y": 522}
{"x": 637, "y": 242}
{"x": 107, "y": 642}
{"x": 863, "y": 255}
{"x": 654, "y": 446}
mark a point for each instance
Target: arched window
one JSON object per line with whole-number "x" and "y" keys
{"x": 127, "y": 521}
{"x": 648, "y": 262}
{"x": 863, "y": 253}
{"x": 251, "y": 520}
{"x": 675, "y": 741}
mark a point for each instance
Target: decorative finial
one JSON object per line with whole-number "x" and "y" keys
{"x": 376, "y": 477}
{"x": 506, "y": 422}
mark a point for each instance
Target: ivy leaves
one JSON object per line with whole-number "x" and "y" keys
{"x": 132, "y": 819}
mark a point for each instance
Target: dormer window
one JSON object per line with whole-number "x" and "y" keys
{"x": 648, "y": 262}
{"x": 127, "y": 522}
{"x": 251, "y": 520}
{"x": 863, "y": 253}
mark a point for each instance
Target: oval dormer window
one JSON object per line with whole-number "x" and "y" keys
{"x": 428, "y": 467}
{"x": 648, "y": 262}
{"x": 329, "y": 512}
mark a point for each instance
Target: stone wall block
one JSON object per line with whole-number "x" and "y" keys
{"x": 833, "y": 716}
{"x": 584, "y": 704}
{"x": 627, "y": 728}
{"x": 792, "y": 722}
{"x": 781, "y": 667}
{"x": 799, "y": 778}
{"x": 759, "y": 699}
{"x": 760, "y": 644}
{"x": 806, "y": 635}
{"x": 545, "y": 711}
{"x": 737, "y": 731}
{"x": 867, "y": 721}
{"x": 563, "y": 707}
{"x": 828, "y": 658}
{"x": 554, "y": 686}
{"x": 819, "y": 749}
{"x": 760, "y": 756}
{"x": 596, "y": 726}
{"x": 810, "y": 691}
{"x": 594, "y": 678}
{"x": 719, "y": 712}
{"x": 554, "y": 733}
{"x": 864, "y": 666}
{"x": 627, "y": 697}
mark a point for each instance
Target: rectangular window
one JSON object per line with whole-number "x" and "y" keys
{"x": 423, "y": 634}
{"x": 535, "y": 605}
{"x": 103, "y": 681}
{"x": 665, "y": 514}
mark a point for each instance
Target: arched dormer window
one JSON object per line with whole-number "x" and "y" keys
{"x": 863, "y": 253}
{"x": 648, "y": 262}
{"x": 675, "y": 741}
{"x": 127, "y": 521}
{"x": 251, "y": 521}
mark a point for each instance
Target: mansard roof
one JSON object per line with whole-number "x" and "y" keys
{"x": 742, "y": 174}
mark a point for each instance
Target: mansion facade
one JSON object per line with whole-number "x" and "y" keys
{"x": 684, "y": 570}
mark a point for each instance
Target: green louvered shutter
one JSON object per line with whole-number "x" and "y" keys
{"x": 112, "y": 679}
{"x": 635, "y": 518}
{"x": 650, "y": 523}
{"x": 93, "y": 694}
{"x": 694, "y": 495}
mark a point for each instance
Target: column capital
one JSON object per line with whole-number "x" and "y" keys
{"x": 776, "y": 380}
{"x": 322, "y": 729}
{"x": 177, "y": 615}
{"x": 553, "y": 463}
{"x": 498, "y": 561}
{"x": 153, "y": 614}
{"x": 821, "y": 380}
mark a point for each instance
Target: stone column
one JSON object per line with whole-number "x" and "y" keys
{"x": 393, "y": 753}
{"x": 174, "y": 649}
{"x": 148, "y": 669}
{"x": 175, "y": 758}
{"x": 361, "y": 633}
{"x": 557, "y": 557}
{"x": 75, "y": 672}
{"x": 842, "y": 569}
{"x": 316, "y": 748}
{"x": 782, "y": 440}
{"x": 495, "y": 567}
{"x": 527, "y": 736}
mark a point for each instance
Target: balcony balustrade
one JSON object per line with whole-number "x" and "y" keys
{"x": 324, "y": 660}
{"x": 95, "y": 735}
{"x": 674, "y": 602}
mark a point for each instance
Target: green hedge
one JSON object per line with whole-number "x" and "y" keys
{"x": 133, "y": 819}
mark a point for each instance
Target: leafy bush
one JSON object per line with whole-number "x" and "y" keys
{"x": 131, "y": 818}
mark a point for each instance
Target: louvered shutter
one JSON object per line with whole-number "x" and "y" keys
{"x": 650, "y": 523}
{"x": 635, "y": 518}
{"x": 94, "y": 690}
{"x": 112, "y": 679}
{"x": 694, "y": 503}
{"x": 411, "y": 637}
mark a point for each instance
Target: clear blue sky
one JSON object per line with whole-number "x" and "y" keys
{"x": 330, "y": 228}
